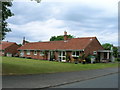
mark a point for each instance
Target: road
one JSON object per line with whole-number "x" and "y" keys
{"x": 52, "y": 79}
{"x": 109, "y": 81}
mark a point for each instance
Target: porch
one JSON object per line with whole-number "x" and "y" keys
{"x": 105, "y": 56}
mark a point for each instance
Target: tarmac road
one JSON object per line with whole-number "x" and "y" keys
{"x": 54, "y": 79}
{"x": 108, "y": 81}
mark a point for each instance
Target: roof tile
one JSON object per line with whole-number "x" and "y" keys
{"x": 5, "y": 44}
{"x": 71, "y": 44}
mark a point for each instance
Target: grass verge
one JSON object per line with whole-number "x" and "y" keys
{"x": 21, "y": 66}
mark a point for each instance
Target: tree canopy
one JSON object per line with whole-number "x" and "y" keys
{"x": 58, "y": 38}
{"x": 108, "y": 46}
{"x": 38, "y": 1}
{"x": 6, "y": 13}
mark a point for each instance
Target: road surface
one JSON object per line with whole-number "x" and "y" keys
{"x": 53, "y": 79}
{"x": 108, "y": 81}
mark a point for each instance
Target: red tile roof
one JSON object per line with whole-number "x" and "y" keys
{"x": 71, "y": 44}
{"x": 4, "y": 45}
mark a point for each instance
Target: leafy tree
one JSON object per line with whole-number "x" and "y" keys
{"x": 26, "y": 41}
{"x": 20, "y": 44}
{"x": 115, "y": 51}
{"x": 108, "y": 46}
{"x": 6, "y": 12}
{"x": 38, "y": 1}
{"x": 58, "y": 38}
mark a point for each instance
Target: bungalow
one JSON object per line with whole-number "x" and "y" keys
{"x": 64, "y": 49}
{"x": 8, "y": 48}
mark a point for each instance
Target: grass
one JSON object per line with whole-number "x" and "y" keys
{"x": 21, "y": 66}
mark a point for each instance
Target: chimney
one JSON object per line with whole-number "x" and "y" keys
{"x": 65, "y": 36}
{"x": 24, "y": 42}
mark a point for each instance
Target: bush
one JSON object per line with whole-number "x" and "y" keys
{"x": 88, "y": 59}
{"x": 117, "y": 59}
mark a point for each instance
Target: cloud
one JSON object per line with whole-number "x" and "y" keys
{"x": 38, "y": 30}
{"x": 40, "y": 21}
{"x": 26, "y": 12}
{"x": 42, "y": 31}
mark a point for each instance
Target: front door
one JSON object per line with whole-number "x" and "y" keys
{"x": 51, "y": 56}
{"x": 62, "y": 56}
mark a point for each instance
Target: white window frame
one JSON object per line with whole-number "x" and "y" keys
{"x": 3, "y": 52}
{"x": 9, "y": 54}
{"x": 35, "y": 52}
{"x": 42, "y": 53}
{"x": 28, "y": 52}
{"x": 62, "y": 56}
{"x": 94, "y": 52}
{"x": 21, "y": 53}
{"x": 74, "y": 54}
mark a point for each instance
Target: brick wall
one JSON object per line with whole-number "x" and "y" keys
{"x": 38, "y": 56}
{"x": 12, "y": 49}
{"x": 93, "y": 46}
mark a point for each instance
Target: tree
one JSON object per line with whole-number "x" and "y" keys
{"x": 115, "y": 52}
{"x": 38, "y": 1}
{"x": 58, "y": 38}
{"x": 20, "y": 44}
{"x": 108, "y": 46}
{"x": 6, "y": 13}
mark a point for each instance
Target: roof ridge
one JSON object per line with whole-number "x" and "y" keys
{"x": 61, "y": 40}
{"x": 90, "y": 42}
{"x": 83, "y": 37}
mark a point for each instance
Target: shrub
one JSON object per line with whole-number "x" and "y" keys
{"x": 117, "y": 59}
{"x": 88, "y": 59}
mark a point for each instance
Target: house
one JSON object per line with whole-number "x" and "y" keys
{"x": 8, "y": 48}
{"x": 64, "y": 49}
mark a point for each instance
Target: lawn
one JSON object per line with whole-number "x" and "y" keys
{"x": 21, "y": 66}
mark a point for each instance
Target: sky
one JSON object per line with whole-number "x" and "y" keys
{"x": 80, "y": 18}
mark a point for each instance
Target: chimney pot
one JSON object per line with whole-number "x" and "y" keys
{"x": 65, "y": 33}
{"x": 23, "y": 41}
{"x": 65, "y": 36}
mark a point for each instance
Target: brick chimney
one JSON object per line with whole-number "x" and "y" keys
{"x": 24, "y": 42}
{"x": 65, "y": 36}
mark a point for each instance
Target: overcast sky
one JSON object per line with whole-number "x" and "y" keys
{"x": 80, "y": 18}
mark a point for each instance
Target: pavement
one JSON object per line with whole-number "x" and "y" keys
{"x": 54, "y": 79}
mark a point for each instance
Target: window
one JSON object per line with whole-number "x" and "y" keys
{"x": 75, "y": 53}
{"x": 2, "y": 51}
{"x": 94, "y": 52}
{"x": 41, "y": 53}
{"x": 62, "y": 56}
{"x": 9, "y": 54}
{"x": 21, "y": 53}
{"x": 60, "y": 53}
{"x": 35, "y": 52}
{"x": 64, "y": 53}
{"x": 28, "y": 52}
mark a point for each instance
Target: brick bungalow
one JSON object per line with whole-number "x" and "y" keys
{"x": 8, "y": 48}
{"x": 58, "y": 50}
